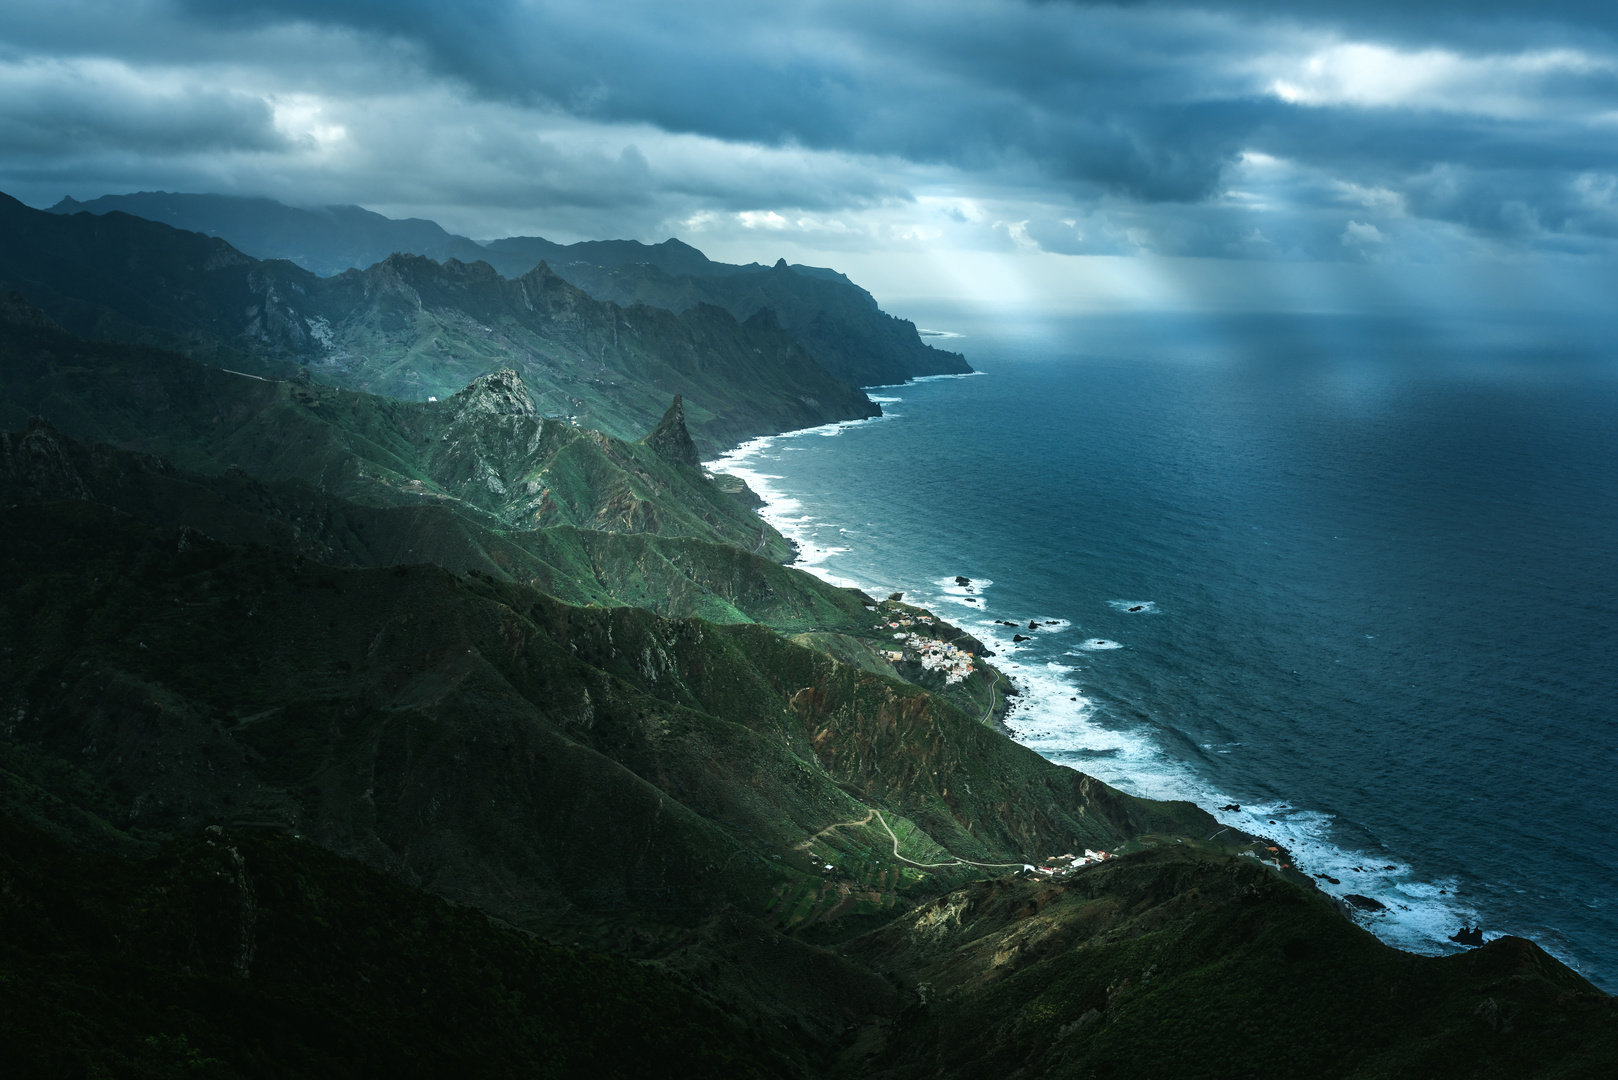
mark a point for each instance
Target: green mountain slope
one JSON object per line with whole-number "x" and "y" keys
{"x": 485, "y": 452}
{"x": 675, "y": 576}
{"x": 1180, "y": 962}
{"x": 798, "y": 840}
{"x": 415, "y": 328}
{"x": 491, "y": 742}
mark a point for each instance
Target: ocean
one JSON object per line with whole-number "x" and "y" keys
{"x": 1358, "y": 576}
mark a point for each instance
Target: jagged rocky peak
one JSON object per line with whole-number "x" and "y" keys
{"x": 502, "y": 393}
{"x": 35, "y": 461}
{"x": 670, "y": 438}
{"x": 15, "y": 309}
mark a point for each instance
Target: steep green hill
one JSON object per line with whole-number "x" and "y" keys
{"x": 492, "y": 743}
{"x": 485, "y": 452}
{"x": 676, "y": 576}
{"x": 1180, "y": 962}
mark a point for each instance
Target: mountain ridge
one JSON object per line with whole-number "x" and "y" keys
{"x": 840, "y": 323}
{"x": 415, "y": 328}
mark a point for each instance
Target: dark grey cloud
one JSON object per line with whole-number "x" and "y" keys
{"x": 1116, "y": 127}
{"x": 57, "y": 111}
{"x": 1118, "y": 109}
{"x": 1148, "y": 100}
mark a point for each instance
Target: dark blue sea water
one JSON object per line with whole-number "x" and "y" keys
{"x": 1358, "y": 575}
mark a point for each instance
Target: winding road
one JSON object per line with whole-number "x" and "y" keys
{"x": 955, "y": 860}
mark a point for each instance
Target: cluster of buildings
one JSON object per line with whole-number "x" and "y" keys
{"x": 1062, "y": 865}
{"x": 937, "y": 655}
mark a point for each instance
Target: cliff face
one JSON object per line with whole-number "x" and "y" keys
{"x": 838, "y": 322}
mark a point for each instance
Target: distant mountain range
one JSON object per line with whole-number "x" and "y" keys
{"x": 837, "y": 321}
{"x": 411, "y": 327}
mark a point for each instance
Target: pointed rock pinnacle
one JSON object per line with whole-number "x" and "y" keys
{"x": 670, "y": 438}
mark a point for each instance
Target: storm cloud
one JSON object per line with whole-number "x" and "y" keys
{"x": 1241, "y": 130}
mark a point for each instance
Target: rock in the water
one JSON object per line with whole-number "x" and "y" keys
{"x": 670, "y": 438}
{"x": 1365, "y": 903}
{"x": 1032, "y": 625}
{"x": 1468, "y": 936}
{"x": 959, "y": 580}
{"x": 1021, "y": 637}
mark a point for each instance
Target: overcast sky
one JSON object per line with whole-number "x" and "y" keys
{"x": 1318, "y": 154}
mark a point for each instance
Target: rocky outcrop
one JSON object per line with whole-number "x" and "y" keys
{"x": 670, "y": 438}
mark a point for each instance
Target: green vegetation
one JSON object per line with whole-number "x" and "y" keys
{"x": 485, "y": 452}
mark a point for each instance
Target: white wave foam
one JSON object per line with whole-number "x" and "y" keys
{"x": 968, "y": 596}
{"x": 955, "y": 375}
{"x": 924, "y": 379}
{"x": 1134, "y": 607}
{"x": 1053, "y": 717}
{"x": 1096, "y": 645}
{"x": 783, "y": 512}
{"x": 1420, "y": 915}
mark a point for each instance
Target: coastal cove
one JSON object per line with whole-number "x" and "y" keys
{"x": 1359, "y": 580}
